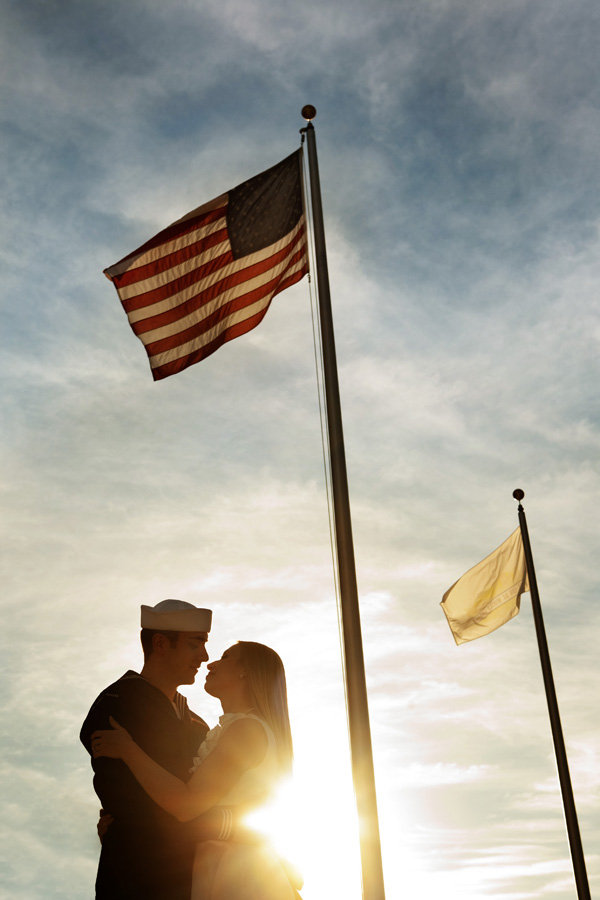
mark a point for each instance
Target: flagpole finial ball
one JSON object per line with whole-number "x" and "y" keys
{"x": 308, "y": 112}
{"x": 518, "y": 494}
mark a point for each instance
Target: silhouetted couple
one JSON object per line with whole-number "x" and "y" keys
{"x": 173, "y": 792}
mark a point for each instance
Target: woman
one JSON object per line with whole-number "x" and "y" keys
{"x": 240, "y": 763}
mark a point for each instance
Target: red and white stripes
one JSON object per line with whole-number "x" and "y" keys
{"x": 185, "y": 295}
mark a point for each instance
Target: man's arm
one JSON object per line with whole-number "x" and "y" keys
{"x": 225, "y": 823}
{"x": 117, "y": 789}
{"x": 213, "y": 825}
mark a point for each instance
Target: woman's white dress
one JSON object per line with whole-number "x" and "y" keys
{"x": 226, "y": 870}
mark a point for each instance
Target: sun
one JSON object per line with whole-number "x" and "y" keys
{"x": 313, "y": 826}
{"x": 312, "y": 823}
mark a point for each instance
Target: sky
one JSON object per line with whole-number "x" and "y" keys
{"x": 459, "y": 148}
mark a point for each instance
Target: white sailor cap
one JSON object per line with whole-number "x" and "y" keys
{"x": 176, "y": 615}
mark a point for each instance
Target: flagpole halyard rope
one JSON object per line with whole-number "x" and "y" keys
{"x": 325, "y": 447}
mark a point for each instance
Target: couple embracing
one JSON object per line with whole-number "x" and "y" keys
{"x": 173, "y": 792}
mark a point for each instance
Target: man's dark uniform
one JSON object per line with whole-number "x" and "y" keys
{"x": 146, "y": 853}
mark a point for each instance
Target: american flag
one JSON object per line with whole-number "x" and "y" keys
{"x": 211, "y": 276}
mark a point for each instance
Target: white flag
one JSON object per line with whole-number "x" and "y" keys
{"x": 489, "y": 594}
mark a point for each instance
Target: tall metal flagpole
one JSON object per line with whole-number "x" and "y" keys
{"x": 356, "y": 690}
{"x": 581, "y": 880}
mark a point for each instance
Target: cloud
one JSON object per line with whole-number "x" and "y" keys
{"x": 458, "y": 158}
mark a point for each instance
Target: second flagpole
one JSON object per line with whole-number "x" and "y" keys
{"x": 356, "y": 692}
{"x": 577, "y": 857}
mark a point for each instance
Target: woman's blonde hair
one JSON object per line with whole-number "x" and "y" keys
{"x": 266, "y": 682}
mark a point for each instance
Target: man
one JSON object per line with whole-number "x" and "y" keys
{"x": 146, "y": 854}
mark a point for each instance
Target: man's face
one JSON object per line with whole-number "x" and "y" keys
{"x": 185, "y": 658}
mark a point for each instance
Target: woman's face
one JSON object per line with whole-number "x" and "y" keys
{"x": 224, "y": 674}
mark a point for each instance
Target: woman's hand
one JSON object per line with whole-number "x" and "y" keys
{"x": 104, "y": 823}
{"x": 113, "y": 743}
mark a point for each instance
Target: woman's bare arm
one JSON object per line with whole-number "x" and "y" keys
{"x": 241, "y": 747}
